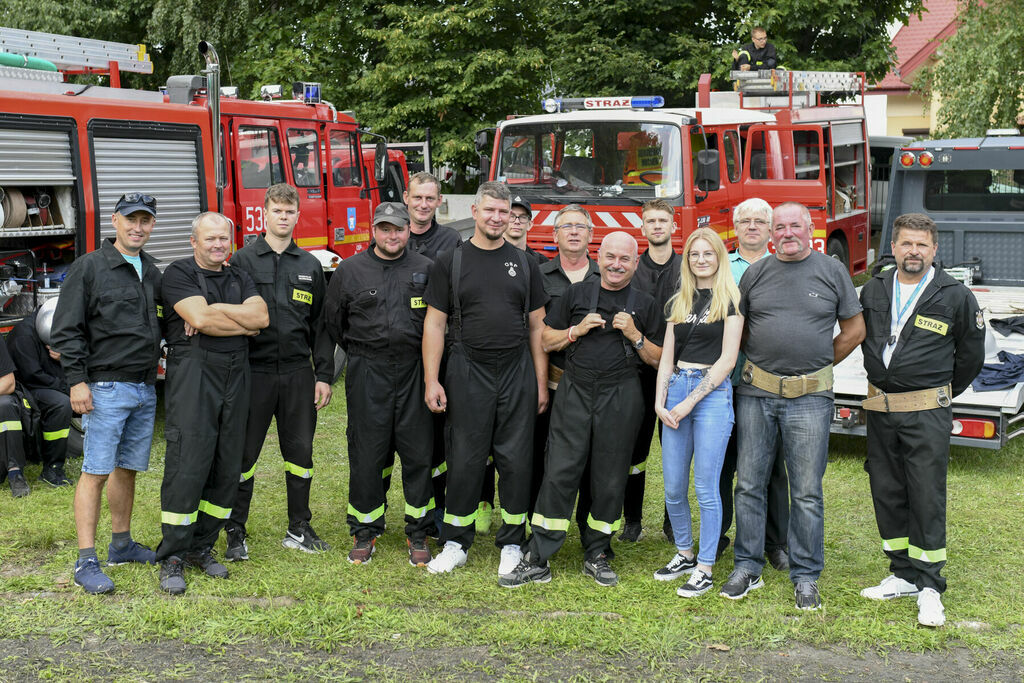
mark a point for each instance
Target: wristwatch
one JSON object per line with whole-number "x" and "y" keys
{"x": 639, "y": 343}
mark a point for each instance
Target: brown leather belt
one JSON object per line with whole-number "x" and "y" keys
{"x": 793, "y": 386}
{"x": 907, "y": 401}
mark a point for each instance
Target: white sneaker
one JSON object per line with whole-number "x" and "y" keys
{"x": 450, "y": 557}
{"x": 510, "y": 557}
{"x": 891, "y": 587}
{"x": 930, "y": 611}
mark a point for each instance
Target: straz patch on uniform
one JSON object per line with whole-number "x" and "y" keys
{"x": 302, "y": 296}
{"x": 931, "y": 325}
{"x": 417, "y": 302}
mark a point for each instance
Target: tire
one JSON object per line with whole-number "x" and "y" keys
{"x": 836, "y": 248}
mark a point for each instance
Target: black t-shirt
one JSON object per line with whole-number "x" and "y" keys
{"x": 492, "y": 290}
{"x": 226, "y": 286}
{"x": 704, "y": 345}
{"x": 605, "y": 348}
{"x": 6, "y": 363}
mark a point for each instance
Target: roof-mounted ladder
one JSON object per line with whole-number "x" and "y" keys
{"x": 73, "y": 55}
{"x": 786, "y": 88}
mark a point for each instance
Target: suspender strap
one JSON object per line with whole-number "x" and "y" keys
{"x": 595, "y": 293}
{"x": 525, "y": 265}
{"x": 455, "y": 325}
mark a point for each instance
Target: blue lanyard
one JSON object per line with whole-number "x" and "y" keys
{"x": 910, "y": 300}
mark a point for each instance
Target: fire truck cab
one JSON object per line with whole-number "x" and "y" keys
{"x": 773, "y": 139}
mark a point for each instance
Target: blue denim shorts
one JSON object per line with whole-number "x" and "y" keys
{"x": 119, "y": 430}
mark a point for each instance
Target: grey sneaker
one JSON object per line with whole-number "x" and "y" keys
{"x": 740, "y": 583}
{"x": 172, "y": 575}
{"x": 19, "y": 487}
{"x": 524, "y": 573}
{"x": 807, "y": 596}
{"x": 599, "y": 570}
{"x": 237, "y": 549}
{"x": 204, "y": 559}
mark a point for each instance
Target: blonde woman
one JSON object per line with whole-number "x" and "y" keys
{"x": 694, "y": 401}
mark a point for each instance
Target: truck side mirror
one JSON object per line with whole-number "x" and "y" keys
{"x": 485, "y": 165}
{"x": 708, "y": 174}
{"x": 480, "y": 139}
{"x": 380, "y": 161}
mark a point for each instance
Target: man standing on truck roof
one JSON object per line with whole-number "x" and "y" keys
{"x": 496, "y": 382}
{"x": 752, "y": 220}
{"x": 213, "y": 308}
{"x": 375, "y": 312}
{"x": 292, "y": 363}
{"x": 791, "y": 304}
{"x": 107, "y": 331}
{"x": 925, "y": 344}
{"x": 657, "y": 274}
{"x": 757, "y": 54}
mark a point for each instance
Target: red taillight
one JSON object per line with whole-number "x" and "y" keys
{"x": 974, "y": 428}
{"x": 907, "y": 159}
{"x": 925, "y": 159}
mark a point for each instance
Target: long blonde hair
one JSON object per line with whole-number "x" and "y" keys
{"x": 723, "y": 291}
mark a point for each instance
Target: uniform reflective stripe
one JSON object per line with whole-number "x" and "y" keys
{"x": 603, "y": 527}
{"x": 439, "y": 470}
{"x": 301, "y": 472}
{"x": 178, "y": 519}
{"x": 386, "y": 472}
{"x": 467, "y": 520}
{"x": 509, "y": 518}
{"x": 937, "y": 555}
{"x": 57, "y": 435}
{"x": 419, "y": 513}
{"x": 214, "y": 510}
{"x": 248, "y": 475}
{"x": 10, "y": 426}
{"x": 367, "y": 517}
{"x": 895, "y": 543}
{"x": 638, "y": 468}
{"x": 549, "y": 524}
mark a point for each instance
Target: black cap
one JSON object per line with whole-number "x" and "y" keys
{"x": 133, "y": 201}
{"x": 394, "y": 213}
{"x": 519, "y": 201}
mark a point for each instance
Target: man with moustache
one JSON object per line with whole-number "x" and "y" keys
{"x": 925, "y": 344}
{"x": 375, "y": 312}
{"x": 212, "y": 309}
{"x": 752, "y": 221}
{"x": 490, "y": 296}
{"x": 791, "y": 304}
{"x": 657, "y": 273}
{"x": 292, "y": 362}
{"x": 608, "y": 328}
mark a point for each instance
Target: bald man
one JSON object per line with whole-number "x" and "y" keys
{"x": 608, "y": 329}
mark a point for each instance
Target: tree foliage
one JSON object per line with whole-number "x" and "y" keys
{"x": 979, "y": 79}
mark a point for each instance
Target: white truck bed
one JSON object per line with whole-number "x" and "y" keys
{"x": 851, "y": 382}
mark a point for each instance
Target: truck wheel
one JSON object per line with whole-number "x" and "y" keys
{"x": 339, "y": 363}
{"x": 836, "y": 248}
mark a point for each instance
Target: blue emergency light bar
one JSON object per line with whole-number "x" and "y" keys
{"x": 554, "y": 105}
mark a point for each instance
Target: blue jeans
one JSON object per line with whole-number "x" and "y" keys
{"x": 119, "y": 430}
{"x": 701, "y": 437}
{"x": 802, "y": 425}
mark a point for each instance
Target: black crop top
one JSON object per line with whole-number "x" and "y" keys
{"x": 704, "y": 345}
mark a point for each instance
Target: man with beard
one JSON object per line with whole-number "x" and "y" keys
{"x": 925, "y": 343}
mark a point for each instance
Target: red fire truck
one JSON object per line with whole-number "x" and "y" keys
{"x": 68, "y": 151}
{"x": 772, "y": 138}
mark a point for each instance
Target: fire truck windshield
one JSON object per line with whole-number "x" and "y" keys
{"x": 630, "y": 159}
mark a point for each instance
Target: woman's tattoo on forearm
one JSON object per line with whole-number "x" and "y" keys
{"x": 705, "y": 387}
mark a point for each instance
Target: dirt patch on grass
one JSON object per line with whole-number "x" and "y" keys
{"x": 99, "y": 657}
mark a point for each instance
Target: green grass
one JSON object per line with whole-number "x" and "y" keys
{"x": 282, "y": 600}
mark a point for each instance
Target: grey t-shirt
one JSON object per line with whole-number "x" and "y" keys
{"x": 791, "y": 308}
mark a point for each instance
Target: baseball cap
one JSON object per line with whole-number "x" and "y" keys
{"x": 394, "y": 213}
{"x": 519, "y": 201}
{"x": 134, "y": 201}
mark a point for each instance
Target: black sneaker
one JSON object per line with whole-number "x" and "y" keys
{"x": 699, "y": 584}
{"x": 599, "y": 570}
{"x": 526, "y": 572}
{"x": 739, "y": 584}
{"x": 237, "y": 549}
{"x": 631, "y": 532}
{"x": 54, "y": 476}
{"x": 778, "y": 558}
{"x": 204, "y": 559}
{"x": 807, "y": 596}
{"x": 675, "y": 568}
{"x": 305, "y": 539}
{"x": 172, "y": 576}
{"x": 19, "y": 487}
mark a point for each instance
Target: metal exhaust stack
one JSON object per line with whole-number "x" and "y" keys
{"x": 212, "y": 72}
